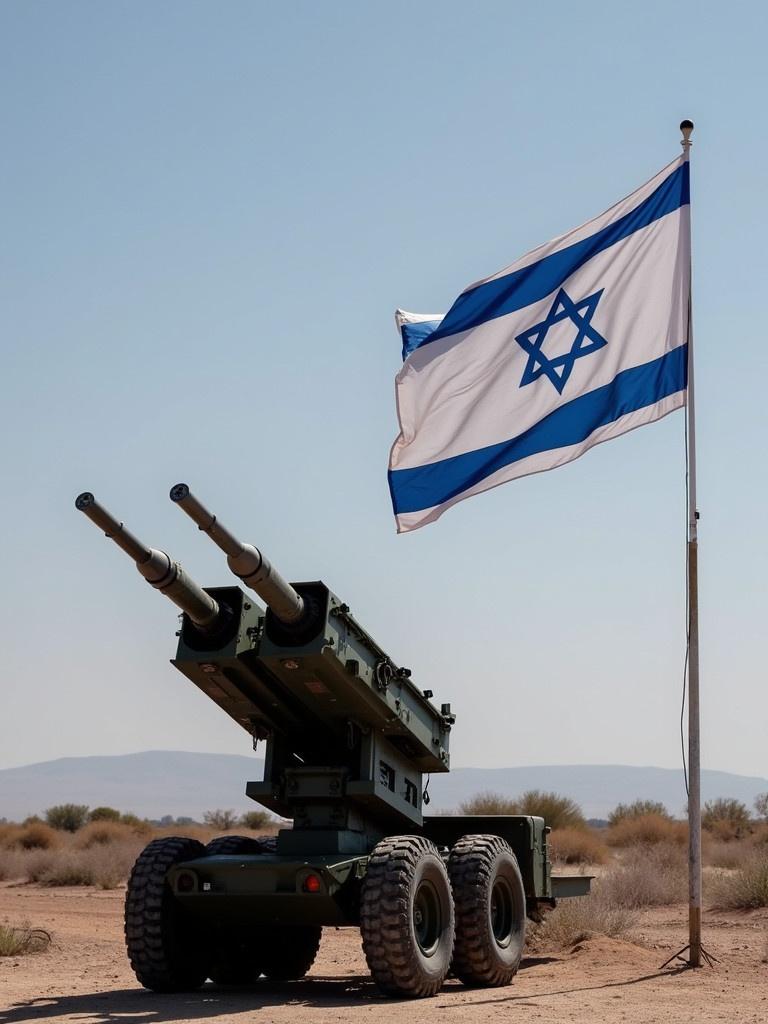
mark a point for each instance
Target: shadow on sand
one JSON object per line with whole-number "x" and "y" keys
{"x": 142, "y": 1007}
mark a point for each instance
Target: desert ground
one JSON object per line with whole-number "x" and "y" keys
{"x": 84, "y": 977}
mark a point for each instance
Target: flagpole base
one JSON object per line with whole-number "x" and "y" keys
{"x": 711, "y": 960}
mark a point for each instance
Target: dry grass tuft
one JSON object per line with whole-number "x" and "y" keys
{"x": 18, "y": 941}
{"x": 647, "y": 830}
{"x": 577, "y": 846}
{"x": 647, "y": 876}
{"x": 575, "y": 920}
{"x": 743, "y": 889}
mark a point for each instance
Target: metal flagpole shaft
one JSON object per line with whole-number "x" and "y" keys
{"x": 694, "y": 746}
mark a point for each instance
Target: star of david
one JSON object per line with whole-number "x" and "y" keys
{"x": 558, "y": 368}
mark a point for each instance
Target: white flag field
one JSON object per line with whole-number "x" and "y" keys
{"x": 579, "y": 341}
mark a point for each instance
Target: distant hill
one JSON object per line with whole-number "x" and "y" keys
{"x": 159, "y": 782}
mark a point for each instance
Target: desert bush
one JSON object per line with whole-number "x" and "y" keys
{"x": 558, "y": 811}
{"x": 68, "y": 868}
{"x": 104, "y": 814}
{"x": 200, "y": 832}
{"x": 638, "y": 809}
{"x": 575, "y": 920}
{"x": 19, "y": 865}
{"x": 106, "y": 866}
{"x": 726, "y": 818}
{"x": 220, "y": 820}
{"x": 577, "y": 846}
{"x": 23, "y": 939}
{"x": 647, "y": 876}
{"x": 36, "y": 836}
{"x": 101, "y": 833}
{"x": 257, "y": 821}
{"x": 139, "y": 825}
{"x": 7, "y": 828}
{"x": 647, "y": 830}
{"x": 761, "y": 806}
{"x": 489, "y": 803}
{"x": 67, "y": 817}
{"x": 743, "y": 889}
{"x": 111, "y": 865}
{"x": 32, "y": 819}
{"x": 727, "y": 855}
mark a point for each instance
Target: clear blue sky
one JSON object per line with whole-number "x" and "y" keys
{"x": 210, "y": 212}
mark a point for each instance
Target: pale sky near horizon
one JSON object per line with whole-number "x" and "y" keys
{"x": 210, "y": 213}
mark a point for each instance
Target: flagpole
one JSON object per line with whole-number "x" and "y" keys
{"x": 694, "y": 745}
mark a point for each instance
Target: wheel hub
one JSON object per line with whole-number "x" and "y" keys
{"x": 427, "y": 918}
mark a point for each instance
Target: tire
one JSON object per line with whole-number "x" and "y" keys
{"x": 166, "y": 948}
{"x": 240, "y": 844}
{"x": 406, "y": 917}
{"x": 290, "y": 951}
{"x": 238, "y": 954}
{"x": 490, "y": 911}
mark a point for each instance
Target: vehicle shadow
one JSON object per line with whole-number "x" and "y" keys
{"x": 143, "y": 1007}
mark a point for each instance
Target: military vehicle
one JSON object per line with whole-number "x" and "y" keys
{"x": 349, "y": 740}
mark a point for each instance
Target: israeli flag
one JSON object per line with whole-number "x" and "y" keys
{"x": 581, "y": 340}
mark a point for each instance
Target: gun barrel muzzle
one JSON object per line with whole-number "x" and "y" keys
{"x": 116, "y": 531}
{"x": 157, "y": 568}
{"x": 245, "y": 561}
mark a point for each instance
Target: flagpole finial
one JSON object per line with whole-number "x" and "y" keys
{"x": 686, "y": 127}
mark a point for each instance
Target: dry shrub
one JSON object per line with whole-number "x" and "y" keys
{"x": 256, "y": 821}
{"x": 489, "y": 803}
{"x": 719, "y": 854}
{"x": 25, "y": 865}
{"x": 743, "y": 889}
{"x": 102, "y": 833}
{"x": 36, "y": 836}
{"x": 647, "y": 876}
{"x": 725, "y": 830}
{"x": 637, "y": 809}
{"x": 23, "y": 939}
{"x": 103, "y": 866}
{"x": 647, "y": 830}
{"x": 577, "y": 846}
{"x": 68, "y": 868}
{"x": 7, "y": 828}
{"x": 574, "y": 920}
{"x": 199, "y": 832}
{"x": 138, "y": 825}
{"x": 556, "y": 810}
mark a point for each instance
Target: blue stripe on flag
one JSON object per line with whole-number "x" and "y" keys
{"x": 426, "y": 486}
{"x": 414, "y": 335}
{"x": 530, "y": 284}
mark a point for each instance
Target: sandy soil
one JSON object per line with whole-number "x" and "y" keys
{"x": 85, "y": 977}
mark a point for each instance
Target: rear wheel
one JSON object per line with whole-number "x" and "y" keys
{"x": 166, "y": 948}
{"x": 290, "y": 951}
{"x": 490, "y": 910}
{"x": 238, "y": 954}
{"x": 406, "y": 917}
